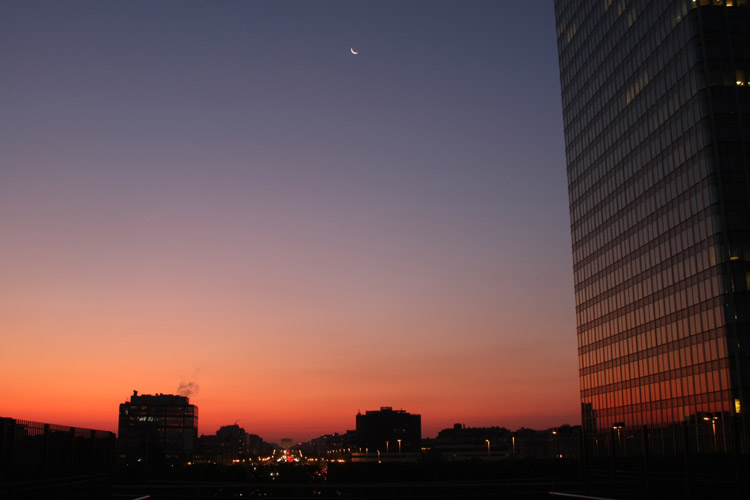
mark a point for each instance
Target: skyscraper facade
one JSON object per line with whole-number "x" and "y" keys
{"x": 656, "y": 110}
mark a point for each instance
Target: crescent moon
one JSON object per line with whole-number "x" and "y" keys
{"x": 354, "y": 52}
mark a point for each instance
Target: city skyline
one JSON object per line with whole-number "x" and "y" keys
{"x": 222, "y": 194}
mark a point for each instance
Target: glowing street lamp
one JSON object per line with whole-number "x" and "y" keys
{"x": 399, "y": 446}
{"x": 712, "y": 419}
{"x": 617, "y": 426}
{"x": 557, "y": 445}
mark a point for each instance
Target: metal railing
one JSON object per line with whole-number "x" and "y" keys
{"x": 40, "y": 460}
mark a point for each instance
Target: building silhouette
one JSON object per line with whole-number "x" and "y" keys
{"x": 154, "y": 429}
{"x": 656, "y": 109}
{"x": 230, "y": 445}
{"x": 498, "y": 443}
{"x": 331, "y": 445}
{"x": 389, "y": 431}
{"x": 468, "y": 443}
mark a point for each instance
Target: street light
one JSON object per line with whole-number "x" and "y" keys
{"x": 513, "y": 442}
{"x": 488, "y": 447}
{"x": 712, "y": 419}
{"x": 557, "y": 445}
{"x": 386, "y": 446}
{"x": 399, "y": 446}
{"x": 617, "y": 426}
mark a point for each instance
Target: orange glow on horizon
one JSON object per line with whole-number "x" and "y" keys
{"x": 302, "y": 235}
{"x": 303, "y": 374}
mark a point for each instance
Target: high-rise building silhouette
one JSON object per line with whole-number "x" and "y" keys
{"x": 157, "y": 428}
{"x": 656, "y": 109}
{"x": 389, "y": 431}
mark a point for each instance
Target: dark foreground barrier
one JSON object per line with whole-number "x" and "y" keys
{"x": 474, "y": 490}
{"x": 47, "y": 461}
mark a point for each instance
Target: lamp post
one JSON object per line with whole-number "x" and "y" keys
{"x": 617, "y": 426}
{"x": 399, "y": 446}
{"x": 386, "y": 446}
{"x": 554, "y": 441}
{"x": 712, "y": 419}
{"x": 513, "y": 443}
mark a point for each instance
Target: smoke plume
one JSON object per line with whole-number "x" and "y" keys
{"x": 187, "y": 389}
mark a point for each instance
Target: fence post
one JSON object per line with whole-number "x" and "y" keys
{"x": 740, "y": 437}
{"x": 644, "y": 445}
{"x": 13, "y": 447}
{"x": 7, "y": 454}
{"x": 4, "y": 424}
{"x": 45, "y": 459}
{"x": 582, "y": 458}
{"x": 613, "y": 454}
{"x": 686, "y": 442}
{"x": 71, "y": 460}
{"x": 92, "y": 463}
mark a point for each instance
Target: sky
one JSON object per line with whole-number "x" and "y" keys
{"x": 221, "y": 195}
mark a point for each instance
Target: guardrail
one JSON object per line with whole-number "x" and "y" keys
{"x": 574, "y": 495}
{"x": 40, "y": 460}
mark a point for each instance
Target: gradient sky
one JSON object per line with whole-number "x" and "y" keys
{"x": 222, "y": 193}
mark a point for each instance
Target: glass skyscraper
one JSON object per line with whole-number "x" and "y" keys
{"x": 656, "y": 109}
